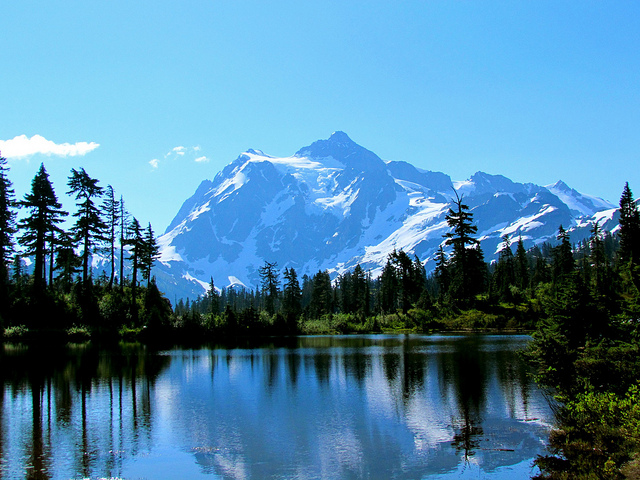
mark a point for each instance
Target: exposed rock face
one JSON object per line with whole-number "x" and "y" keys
{"x": 335, "y": 204}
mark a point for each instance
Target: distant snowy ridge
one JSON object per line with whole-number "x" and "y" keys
{"x": 335, "y": 204}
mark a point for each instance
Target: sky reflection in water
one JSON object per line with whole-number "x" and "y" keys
{"x": 400, "y": 407}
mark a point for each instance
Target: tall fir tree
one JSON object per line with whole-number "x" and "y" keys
{"x": 7, "y": 230}
{"x": 307, "y": 290}
{"x": 629, "y": 232}
{"x": 291, "y": 298}
{"x": 149, "y": 255}
{"x": 269, "y": 279}
{"x": 563, "y": 262}
{"x": 125, "y": 219}
{"x": 467, "y": 259}
{"x": 522, "y": 266}
{"x": 360, "y": 291}
{"x": 345, "y": 292}
{"x": 45, "y": 213}
{"x": 111, "y": 211}
{"x": 68, "y": 263}
{"x": 89, "y": 227}
{"x": 135, "y": 241}
{"x": 214, "y": 299}
{"x": 408, "y": 279}
{"x": 388, "y": 289}
{"x": 598, "y": 261}
{"x": 504, "y": 276}
{"x": 321, "y": 295}
{"x": 442, "y": 272}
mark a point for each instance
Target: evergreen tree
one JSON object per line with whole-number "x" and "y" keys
{"x": 389, "y": 287}
{"x": 7, "y": 230}
{"x": 149, "y": 254}
{"x": 291, "y": 298}
{"x": 360, "y": 291}
{"x": 45, "y": 212}
{"x": 611, "y": 245}
{"x": 467, "y": 260}
{"x": 214, "y": 299}
{"x": 321, "y": 295}
{"x": 442, "y": 271}
{"x": 563, "y": 262}
{"x": 505, "y": 272}
{"x": 598, "y": 261}
{"x": 17, "y": 274}
{"x": 307, "y": 290}
{"x": 89, "y": 227}
{"x": 407, "y": 278}
{"x": 125, "y": 219}
{"x": 354, "y": 292}
{"x": 541, "y": 272}
{"x": 419, "y": 278}
{"x": 135, "y": 240}
{"x": 269, "y": 280}
{"x": 111, "y": 209}
{"x": 157, "y": 308}
{"x": 67, "y": 262}
{"x": 56, "y": 239}
{"x": 345, "y": 293}
{"x": 522, "y": 266}
{"x": 629, "y": 233}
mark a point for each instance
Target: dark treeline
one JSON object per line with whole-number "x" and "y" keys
{"x": 57, "y": 291}
{"x": 463, "y": 292}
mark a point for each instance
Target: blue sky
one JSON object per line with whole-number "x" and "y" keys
{"x": 154, "y": 97}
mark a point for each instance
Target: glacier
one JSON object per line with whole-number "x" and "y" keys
{"x": 334, "y": 204}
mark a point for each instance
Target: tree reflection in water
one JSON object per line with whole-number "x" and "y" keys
{"x": 466, "y": 370}
{"x": 307, "y": 407}
{"x": 75, "y": 418}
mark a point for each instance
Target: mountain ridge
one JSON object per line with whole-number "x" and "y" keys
{"x": 334, "y": 204}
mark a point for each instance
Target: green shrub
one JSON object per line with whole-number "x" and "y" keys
{"x": 130, "y": 332}
{"x": 317, "y": 326}
{"x": 600, "y": 432}
{"x": 15, "y": 332}
{"x": 78, "y": 333}
{"x": 474, "y": 319}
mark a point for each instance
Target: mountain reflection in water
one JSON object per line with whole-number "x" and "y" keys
{"x": 301, "y": 407}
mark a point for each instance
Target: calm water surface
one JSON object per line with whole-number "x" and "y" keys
{"x": 375, "y": 407}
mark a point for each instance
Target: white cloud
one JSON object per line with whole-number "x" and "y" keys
{"x": 180, "y": 150}
{"x": 22, "y": 146}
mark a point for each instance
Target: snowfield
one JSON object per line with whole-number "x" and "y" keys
{"x": 334, "y": 205}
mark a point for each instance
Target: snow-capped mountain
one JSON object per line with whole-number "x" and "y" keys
{"x": 335, "y": 204}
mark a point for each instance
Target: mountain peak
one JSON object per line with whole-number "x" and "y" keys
{"x": 341, "y": 148}
{"x": 336, "y": 204}
{"x": 340, "y": 137}
{"x": 560, "y": 186}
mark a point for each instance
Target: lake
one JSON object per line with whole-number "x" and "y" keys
{"x": 334, "y": 407}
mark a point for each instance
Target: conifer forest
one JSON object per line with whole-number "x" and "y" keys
{"x": 580, "y": 302}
